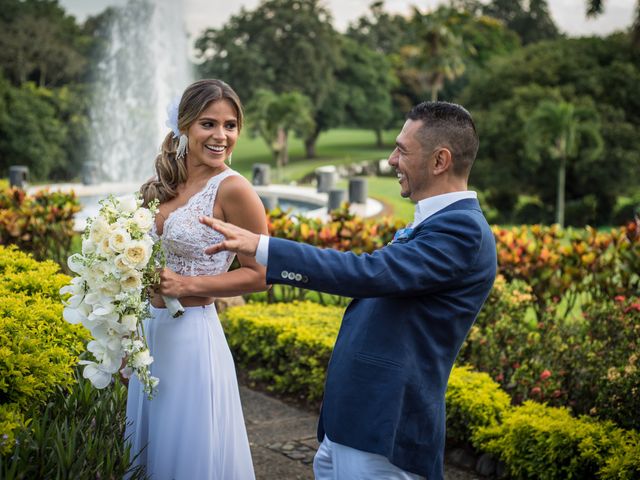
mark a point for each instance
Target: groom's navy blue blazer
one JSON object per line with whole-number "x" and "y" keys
{"x": 414, "y": 303}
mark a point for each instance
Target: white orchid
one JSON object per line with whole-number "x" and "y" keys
{"x": 96, "y": 373}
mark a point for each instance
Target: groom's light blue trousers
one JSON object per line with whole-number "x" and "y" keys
{"x": 339, "y": 462}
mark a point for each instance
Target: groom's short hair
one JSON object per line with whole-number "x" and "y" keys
{"x": 447, "y": 125}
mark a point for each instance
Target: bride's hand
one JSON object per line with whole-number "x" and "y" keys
{"x": 236, "y": 240}
{"x": 171, "y": 284}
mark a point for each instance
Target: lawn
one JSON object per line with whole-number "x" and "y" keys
{"x": 335, "y": 147}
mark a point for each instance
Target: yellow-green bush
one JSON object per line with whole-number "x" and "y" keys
{"x": 38, "y": 349}
{"x": 289, "y": 345}
{"x": 286, "y": 344}
{"x": 473, "y": 400}
{"x": 537, "y": 441}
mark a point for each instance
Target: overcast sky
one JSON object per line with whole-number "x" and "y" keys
{"x": 569, "y": 15}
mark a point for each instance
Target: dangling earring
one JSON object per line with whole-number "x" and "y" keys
{"x": 183, "y": 146}
{"x": 229, "y": 158}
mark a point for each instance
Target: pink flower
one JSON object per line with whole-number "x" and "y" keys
{"x": 619, "y": 298}
{"x": 545, "y": 374}
{"x": 536, "y": 391}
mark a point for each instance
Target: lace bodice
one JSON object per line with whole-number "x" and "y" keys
{"x": 184, "y": 238}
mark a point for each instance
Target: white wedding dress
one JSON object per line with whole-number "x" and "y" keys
{"x": 193, "y": 429}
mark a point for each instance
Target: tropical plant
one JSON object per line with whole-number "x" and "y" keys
{"x": 560, "y": 129}
{"x": 272, "y": 116}
{"x": 436, "y": 55}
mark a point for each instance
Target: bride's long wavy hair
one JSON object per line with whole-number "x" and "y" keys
{"x": 171, "y": 172}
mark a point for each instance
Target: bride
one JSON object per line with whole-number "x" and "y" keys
{"x": 194, "y": 427}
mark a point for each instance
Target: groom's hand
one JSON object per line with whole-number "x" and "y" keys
{"x": 237, "y": 239}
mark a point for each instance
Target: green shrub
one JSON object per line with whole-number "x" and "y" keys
{"x": 626, "y": 209}
{"x": 531, "y": 210}
{"x": 473, "y": 400}
{"x": 285, "y": 344}
{"x": 41, "y": 224}
{"x": 79, "y": 434}
{"x": 290, "y": 345}
{"x": 587, "y": 361}
{"x": 582, "y": 211}
{"x": 38, "y": 349}
{"x": 536, "y": 441}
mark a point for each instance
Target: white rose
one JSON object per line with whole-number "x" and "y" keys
{"x": 131, "y": 280}
{"x": 127, "y": 204}
{"x": 104, "y": 247}
{"x": 130, "y": 322}
{"x": 119, "y": 239}
{"x": 143, "y": 218}
{"x": 99, "y": 229}
{"x": 126, "y": 372}
{"x": 142, "y": 359}
{"x": 154, "y": 381}
{"x": 121, "y": 263}
{"x": 137, "y": 253}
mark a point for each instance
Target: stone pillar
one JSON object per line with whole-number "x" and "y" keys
{"x": 336, "y": 197}
{"x": 326, "y": 177}
{"x": 358, "y": 190}
{"x": 269, "y": 202}
{"x": 261, "y": 174}
{"x": 18, "y": 176}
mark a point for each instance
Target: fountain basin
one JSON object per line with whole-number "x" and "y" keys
{"x": 298, "y": 200}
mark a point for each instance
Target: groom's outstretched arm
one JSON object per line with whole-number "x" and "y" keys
{"x": 436, "y": 258}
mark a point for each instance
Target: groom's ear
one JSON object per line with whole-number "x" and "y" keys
{"x": 442, "y": 161}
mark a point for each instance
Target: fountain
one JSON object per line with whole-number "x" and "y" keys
{"x": 145, "y": 66}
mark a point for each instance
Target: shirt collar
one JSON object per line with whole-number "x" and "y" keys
{"x": 428, "y": 206}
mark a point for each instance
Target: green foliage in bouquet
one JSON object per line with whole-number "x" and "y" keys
{"x": 38, "y": 349}
{"x": 41, "y": 224}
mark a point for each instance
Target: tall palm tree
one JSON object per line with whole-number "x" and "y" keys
{"x": 562, "y": 131}
{"x": 596, "y": 7}
{"x": 436, "y": 55}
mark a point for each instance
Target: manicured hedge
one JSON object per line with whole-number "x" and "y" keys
{"x": 287, "y": 345}
{"x": 38, "y": 349}
{"x": 290, "y": 345}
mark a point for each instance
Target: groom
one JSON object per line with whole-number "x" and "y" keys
{"x": 414, "y": 301}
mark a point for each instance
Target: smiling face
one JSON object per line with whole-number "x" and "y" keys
{"x": 408, "y": 159}
{"x": 213, "y": 136}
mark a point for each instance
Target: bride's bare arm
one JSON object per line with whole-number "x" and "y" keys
{"x": 236, "y": 203}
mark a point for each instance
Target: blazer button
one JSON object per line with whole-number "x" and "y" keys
{"x": 291, "y": 275}
{"x": 305, "y": 279}
{"x": 284, "y": 274}
{"x": 298, "y": 277}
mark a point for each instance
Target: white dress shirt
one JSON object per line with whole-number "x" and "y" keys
{"x": 424, "y": 209}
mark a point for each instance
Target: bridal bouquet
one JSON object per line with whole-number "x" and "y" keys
{"x": 109, "y": 296}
